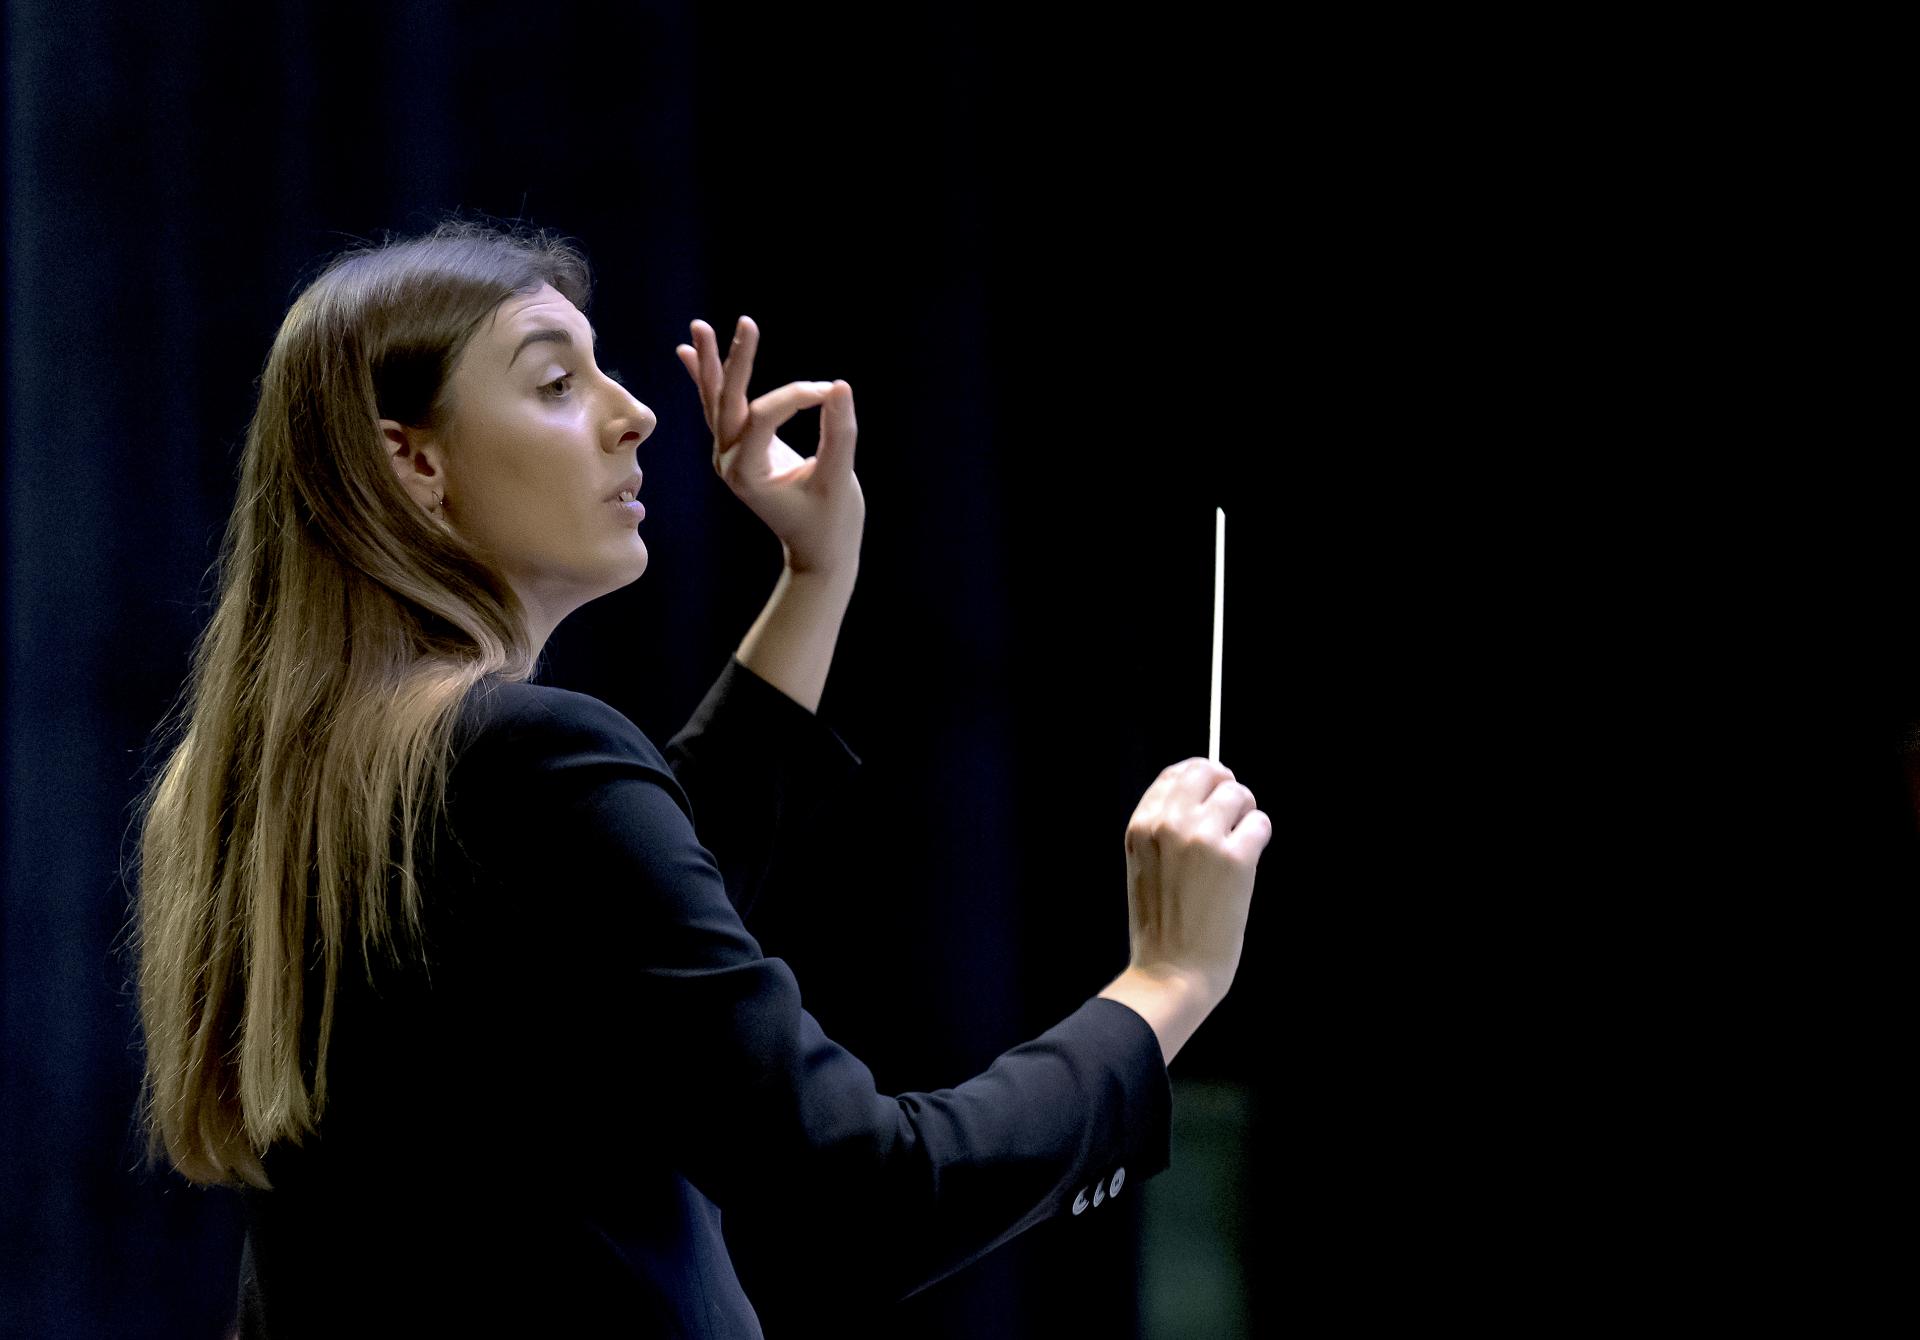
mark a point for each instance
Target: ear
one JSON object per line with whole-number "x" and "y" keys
{"x": 420, "y": 463}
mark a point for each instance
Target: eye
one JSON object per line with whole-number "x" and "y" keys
{"x": 613, "y": 374}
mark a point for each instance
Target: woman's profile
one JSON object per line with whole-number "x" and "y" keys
{"x": 446, "y": 972}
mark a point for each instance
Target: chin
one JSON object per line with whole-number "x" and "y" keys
{"x": 635, "y": 568}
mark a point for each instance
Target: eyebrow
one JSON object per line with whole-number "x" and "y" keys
{"x": 552, "y": 334}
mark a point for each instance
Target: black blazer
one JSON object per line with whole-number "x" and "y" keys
{"x": 537, "y": 1131}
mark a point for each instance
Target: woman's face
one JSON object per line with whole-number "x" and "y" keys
{"x": 539, "y": 443}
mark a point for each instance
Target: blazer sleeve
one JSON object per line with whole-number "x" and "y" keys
{"x": 670, "y": 1028}
{"x": 756, "y": 768}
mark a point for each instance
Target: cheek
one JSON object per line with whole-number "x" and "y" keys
{"x": 523, "y": 472}
{"x": 549, "y": 512}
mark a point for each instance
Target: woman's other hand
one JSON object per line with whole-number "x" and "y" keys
{"x": 813, "y": 504}
{"x": 1192, "y": 846}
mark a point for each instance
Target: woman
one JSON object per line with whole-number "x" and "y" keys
{"x": 432, "y": 964}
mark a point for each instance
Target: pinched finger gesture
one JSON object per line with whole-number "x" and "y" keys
{"x": 812, "y": 503}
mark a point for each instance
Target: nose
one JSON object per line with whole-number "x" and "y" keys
{"x": 638, "y": 426}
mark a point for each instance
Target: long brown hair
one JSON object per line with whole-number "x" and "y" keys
{"x": 309, "y": 745}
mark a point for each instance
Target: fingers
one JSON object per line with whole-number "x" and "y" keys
{"x": 1229, "y": 803}
{"x": 838, "y": 429}
{"x": 690, "y": 360}
{"x": 1194, "y": 779}
{"x": 1250, "y": 836}
{"x": 720, "y": 383}
{"x": 739, "y": 367}
{"x": 1185, "y": 785}
{"x": 709, "y": 350}
{"x": 703, "y": 365}
{"x": 1225, "y": 808}
{"x": 725, "y": 383}
{"x": 783, "y": 402}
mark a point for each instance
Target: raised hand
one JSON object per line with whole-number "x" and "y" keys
{"x": 813, "y": 504}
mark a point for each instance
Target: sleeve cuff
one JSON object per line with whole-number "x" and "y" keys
{"x": 1142, "y": 1069}
{"x": 758, "y": 768}
{"x": 743, "y": 709}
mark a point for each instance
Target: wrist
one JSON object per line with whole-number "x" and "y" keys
{"x": 842, "y": 573}
{"x": 1173, "y": 1001}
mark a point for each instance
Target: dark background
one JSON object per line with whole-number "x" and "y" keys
{"x": 1052, "y": 256}
{"x": 1556, "y": 356}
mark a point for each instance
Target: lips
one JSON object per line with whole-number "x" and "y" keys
{"x": 628, "y": 490}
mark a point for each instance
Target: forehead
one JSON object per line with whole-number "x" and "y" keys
{"x": 547, "y": 306}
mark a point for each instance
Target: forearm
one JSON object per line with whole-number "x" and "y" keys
{"x": 1172, "y": 1004}
{"x": 791, "y": 644}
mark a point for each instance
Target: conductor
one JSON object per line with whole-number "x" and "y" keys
{"x": 446, "y": 971}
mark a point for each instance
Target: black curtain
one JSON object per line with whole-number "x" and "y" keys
{"x": 1038, "y": 247}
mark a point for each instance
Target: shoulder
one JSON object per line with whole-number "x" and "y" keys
{"x": 551, "y": 732}
{"x": 498, "y": 707}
